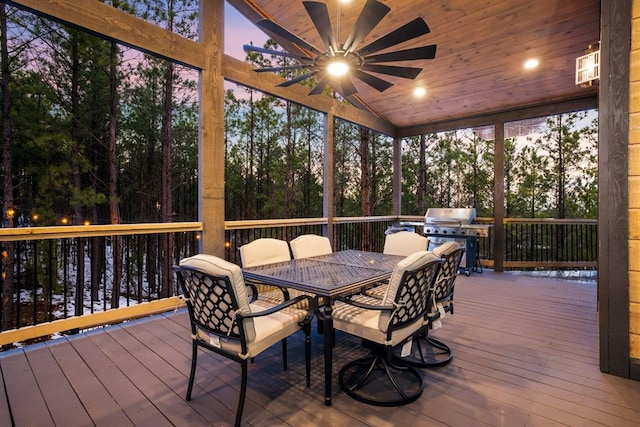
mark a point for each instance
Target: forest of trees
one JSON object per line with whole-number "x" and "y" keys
{"x": 94, "y": 132}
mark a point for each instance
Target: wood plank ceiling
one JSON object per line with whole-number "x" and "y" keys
{"x": 481, "y": 48}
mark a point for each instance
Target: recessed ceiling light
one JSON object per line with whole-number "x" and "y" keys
{"x": 419, "y": 92}
{"x": 532, "y": 63}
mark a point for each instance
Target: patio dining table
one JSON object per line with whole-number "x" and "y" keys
{"x": 327, "y": 276}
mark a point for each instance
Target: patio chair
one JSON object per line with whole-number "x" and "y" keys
{"x": 266, "y": 250}
{"x": 405, "y": 243}
{"x": 385, "y": 325}
{"x": 309, "y": 245}
{"x": 223, "y": 321}
{"x": 428, "y": 351}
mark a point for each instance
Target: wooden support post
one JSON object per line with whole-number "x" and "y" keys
{"x": 211, "y": 147}
{"x": 498, "y": 198}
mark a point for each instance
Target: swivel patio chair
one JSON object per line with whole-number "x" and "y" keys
{"x": 225, "y": 322}
{"x": 385, "y": 325}
{"x": 310, "y": 245}
{"x": 428, "y": 351}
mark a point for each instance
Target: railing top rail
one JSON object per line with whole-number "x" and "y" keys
{"x": 73, "y": 231}
{"x": 353, "y": 219}
{"x": 549, "y": 221}
{"x": 265, "y": 223}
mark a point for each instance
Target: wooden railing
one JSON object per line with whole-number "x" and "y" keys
{"x": 76, "y": 277}
{"x": 64, "y": 276}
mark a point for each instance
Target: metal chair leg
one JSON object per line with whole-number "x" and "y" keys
{"x": 243, "y": 393}
{"x": 194, "y": 357}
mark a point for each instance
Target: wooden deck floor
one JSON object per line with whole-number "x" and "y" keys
{"x": 526, "y": 353}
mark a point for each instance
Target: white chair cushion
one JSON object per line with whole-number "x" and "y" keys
{"x": 309, "y": 245}
{"x": 268, "y": 330}
{"x": 404, "y": 243}
{"x": 446, "y": 248}
{"x": 365, "y": 323}
{"x": 264, "y": 251}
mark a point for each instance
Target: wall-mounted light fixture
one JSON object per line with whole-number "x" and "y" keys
{"x": 588, "y": 66}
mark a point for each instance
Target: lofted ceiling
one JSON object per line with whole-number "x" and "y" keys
{"x": 481, "y": 48}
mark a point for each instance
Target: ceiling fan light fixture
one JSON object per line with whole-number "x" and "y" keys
{"x": 338, "y": 68}
{"x": 340, "y": 63}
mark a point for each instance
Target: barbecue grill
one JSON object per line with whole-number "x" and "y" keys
{"x": 446, "y": 224}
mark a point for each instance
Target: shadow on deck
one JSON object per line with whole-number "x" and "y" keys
{"x": 525, "y": 353}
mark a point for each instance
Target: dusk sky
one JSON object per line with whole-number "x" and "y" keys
{"x": 238, "y": 31}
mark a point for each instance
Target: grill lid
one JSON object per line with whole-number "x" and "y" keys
{"x": 450, "y": 216}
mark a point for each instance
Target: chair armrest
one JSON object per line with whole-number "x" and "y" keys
{"x": 254, "y": 291}
{"x": 253, "y": 284}
{"x": 348, "y": 300}
{"x": 310, "y": 311}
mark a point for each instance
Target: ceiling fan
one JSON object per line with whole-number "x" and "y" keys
{"x": 340, "y": 61}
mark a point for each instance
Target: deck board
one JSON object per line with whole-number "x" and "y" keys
{"x": 64, "y": 406}
{"x": 525, "y": 353}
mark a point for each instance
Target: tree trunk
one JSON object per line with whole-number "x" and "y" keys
{"x": 114, "y": 211}
{"x": 75, "y": 167}
{"x": 8, "y": 261}
{"x": 365, "y": 185}
{"x": 167, "y": 199}
{"x": 422, "y": 175}
{"x": 289, "y": 208}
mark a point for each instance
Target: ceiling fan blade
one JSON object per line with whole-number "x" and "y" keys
{"x": 424, "y": 52}
{"x": 252, "y": 48}
{"x": 283, "y": 68}
{"x": 371, "y": 15}
{"x": 298, "y": 79}
{"x": 348, "y": 88}
{"x": 411, "y": 30}
{"x": 320, "y": 16}
{"x": 405, "y": 72}
{"x": 373, "y": 81}
{"x": 320, "y": 86}
{"x": 276, "y": 29}
{"x": 344, "y": 86}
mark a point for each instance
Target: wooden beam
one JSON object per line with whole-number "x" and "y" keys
{"x": 242, "y": 73}
{"x": 74, "y": 231}
{"x": 524, "y": 112}
{"x": 102, "y": 318}
{"x": 106, "y": 21}
{"x": 613, "y": 199}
